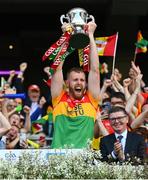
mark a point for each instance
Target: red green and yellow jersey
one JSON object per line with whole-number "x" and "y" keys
{"x": 73, "y": 121}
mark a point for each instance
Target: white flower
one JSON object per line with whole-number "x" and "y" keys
{"x": 82, "y": 165}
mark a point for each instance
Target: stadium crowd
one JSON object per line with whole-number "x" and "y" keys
{"x": 81, "y": 111}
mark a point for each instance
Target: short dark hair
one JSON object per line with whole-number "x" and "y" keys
{"x": 118, "y": 95}
{"x": 106, "y": 100}
{"x": 75, "y": 69}
{"x": 117, "y": 109}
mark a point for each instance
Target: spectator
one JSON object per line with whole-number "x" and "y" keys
{"x": 35, "y": 102}
{"x": 118, "y": 99}
{"x": 16, "y": 119}
{"x": 122, "y": 144}
{"x": 17, "y": 81}
{"x": 8, "y": 107}
{"x": 12, "y": 138}
{"x": 4, "y": 128}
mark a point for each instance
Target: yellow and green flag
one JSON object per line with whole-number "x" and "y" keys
{"x": 37, "y": 125}
{"x": 141, "y": 44}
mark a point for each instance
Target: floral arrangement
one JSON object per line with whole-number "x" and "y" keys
{"x": 82, "y": 165}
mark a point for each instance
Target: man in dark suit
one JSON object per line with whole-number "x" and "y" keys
{"x": 121, "y": 144}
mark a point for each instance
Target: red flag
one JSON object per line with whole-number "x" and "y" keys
{"x": 106, "y": 45}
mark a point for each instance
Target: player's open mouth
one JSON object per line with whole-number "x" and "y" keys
{"x": 78, "y": 89}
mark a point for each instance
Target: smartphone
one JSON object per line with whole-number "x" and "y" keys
{"x": 23, "y": 137}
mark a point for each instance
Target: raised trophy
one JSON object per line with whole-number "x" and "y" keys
{"x": 78, "y": 18}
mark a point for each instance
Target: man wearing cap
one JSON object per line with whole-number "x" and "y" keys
{"x": 35, "y": 103}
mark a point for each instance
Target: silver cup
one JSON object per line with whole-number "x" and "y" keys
{"x": 78, "y": 17}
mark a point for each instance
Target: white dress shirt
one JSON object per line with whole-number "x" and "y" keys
{"x": 123, "y": 142}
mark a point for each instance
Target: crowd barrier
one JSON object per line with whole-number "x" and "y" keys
{"x": 13, "y": 155}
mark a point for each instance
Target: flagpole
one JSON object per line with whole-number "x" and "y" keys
{"x": 138, "y": 36}
{"x": 135, "y": 55}
{"x": 113, "y": 67}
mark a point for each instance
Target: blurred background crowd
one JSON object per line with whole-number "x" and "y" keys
{"x": 26, "y": 116}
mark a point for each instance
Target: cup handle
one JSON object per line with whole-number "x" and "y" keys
{"x": 91, "y": 17}
{"x": 64, "y": 17}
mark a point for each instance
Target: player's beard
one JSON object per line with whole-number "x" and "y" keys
{"x": 76, "y": 94}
